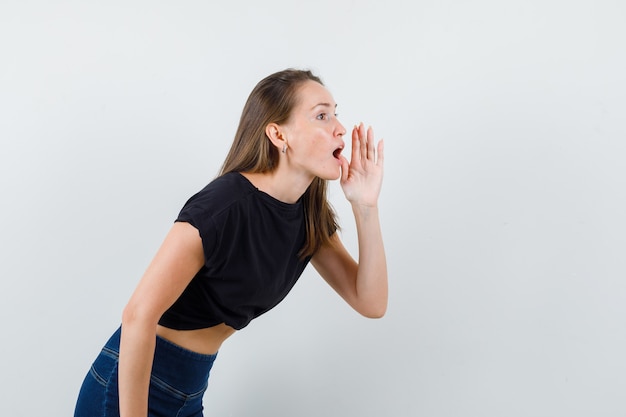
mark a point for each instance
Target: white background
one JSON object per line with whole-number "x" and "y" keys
{"x": 503, "y": 204}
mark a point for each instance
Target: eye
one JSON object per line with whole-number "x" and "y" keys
{"x": 326, "y": 116}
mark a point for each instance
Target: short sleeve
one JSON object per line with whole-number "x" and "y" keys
{"x": 199, "y": 218}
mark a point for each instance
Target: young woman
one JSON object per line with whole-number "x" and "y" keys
{"x": 238, "y": 247}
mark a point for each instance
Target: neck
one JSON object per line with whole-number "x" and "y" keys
{"x": 283, "y": 186}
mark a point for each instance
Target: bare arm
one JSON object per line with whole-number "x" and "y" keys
{"x": 364, "y": 284}
{"x": 175, "y": 264}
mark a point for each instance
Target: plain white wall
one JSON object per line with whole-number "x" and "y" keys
{"x": 503, "y": 204}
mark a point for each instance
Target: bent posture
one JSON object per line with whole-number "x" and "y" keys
{"x": 239, "y": 245}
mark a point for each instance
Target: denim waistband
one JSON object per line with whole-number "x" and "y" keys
{"x": 185, "y": 369}
{"x": 114, "y": 345}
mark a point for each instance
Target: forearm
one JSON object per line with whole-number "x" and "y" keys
{"x": 135, "y": 365}
{"x": 371, "y": 280}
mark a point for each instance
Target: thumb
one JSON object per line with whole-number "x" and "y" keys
{"x": 345, "y": 168}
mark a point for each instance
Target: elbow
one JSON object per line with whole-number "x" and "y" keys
{"x": 133, "y": 315}
{"x": 373, "y": 305}
{"x": 129, "y": 317}
{"x": 374, "y": 311}
{"x": 378, "y": 314}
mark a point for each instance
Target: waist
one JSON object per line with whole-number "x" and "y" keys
{"x": 175, "y": 368}
{"x": 204, "y": 341}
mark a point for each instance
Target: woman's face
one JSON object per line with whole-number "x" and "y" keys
{"x": 314, "y": 135}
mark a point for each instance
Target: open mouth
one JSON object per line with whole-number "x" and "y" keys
{"x": 337, "y": 152}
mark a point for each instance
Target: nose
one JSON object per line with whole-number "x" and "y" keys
{"x": 339, "y": 129}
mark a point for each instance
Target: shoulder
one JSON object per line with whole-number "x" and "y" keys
{"x": 207, "y": 209}
{"x": 222, "y": 192}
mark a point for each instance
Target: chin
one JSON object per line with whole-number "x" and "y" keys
{"x": 328, "y": 176}
{"x": 328, "y": 172}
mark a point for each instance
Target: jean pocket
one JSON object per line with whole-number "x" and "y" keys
{"x": 104, "y": 366}
{"x": 166, "y": 399}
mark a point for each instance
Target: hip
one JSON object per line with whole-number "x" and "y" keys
{"x": 178, "y": 381}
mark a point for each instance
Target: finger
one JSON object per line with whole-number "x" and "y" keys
{"x": 363, "y": 139}
{"x": 345, "y": 168}
{"x": 381, "y": 154}
{"x": 370, "y": 144}
{"x": 356, "y": 147}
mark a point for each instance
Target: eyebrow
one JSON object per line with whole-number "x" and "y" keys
{"x": 323, "y": 104}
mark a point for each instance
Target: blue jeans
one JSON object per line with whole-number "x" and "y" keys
{"x": 177, "y": 384}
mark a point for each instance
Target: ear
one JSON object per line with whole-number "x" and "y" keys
{"x": 276, "y": 135}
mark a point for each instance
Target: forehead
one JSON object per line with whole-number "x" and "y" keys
{"x": 311, "y": 94}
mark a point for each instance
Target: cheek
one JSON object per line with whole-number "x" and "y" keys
{"x": 322, "y": 137}
{"x": 313, "y": 141}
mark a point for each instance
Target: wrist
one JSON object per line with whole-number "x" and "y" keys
{"x": 364, "y": 210}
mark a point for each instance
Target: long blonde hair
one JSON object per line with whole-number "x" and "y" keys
{"x": 272, "y": 101}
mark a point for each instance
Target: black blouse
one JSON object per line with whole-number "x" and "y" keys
{"x": 251, "y": 243}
